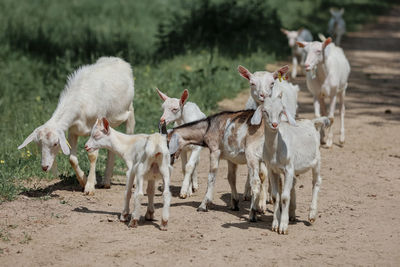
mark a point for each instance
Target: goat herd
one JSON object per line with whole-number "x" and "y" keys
{"x": 265, "y": 135}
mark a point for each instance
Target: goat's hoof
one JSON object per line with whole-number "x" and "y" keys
{"x": 182, "y": 196}
{"x": 274, "y": 228}
{"x": 123, "y": 217}
{"x": 164, "y": 225}
{"x": 149, "y": 216}
{"x": 311, "y": 220}
{"x": 253, "y": 216}
{"x": 283, "y": 232}
{"x": 133, "y": 223}
{"x": 202, "y": 209}
{"x": 89, "y": 193}
{"x": 194, "y": 189}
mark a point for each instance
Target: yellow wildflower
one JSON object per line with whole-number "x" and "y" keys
{"x": 2, "y": 161}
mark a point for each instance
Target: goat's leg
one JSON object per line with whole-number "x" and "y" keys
{"x": 317, "y": 180}
{"x": 73, "y": 159}
{"x": 91, "y": 181}
{"x": 294, "y": 67}
{"x": 332, "y": 106}
{"x": 263, "y": 174}
{"x": 150, "y": 195}
{"x": 186, "y": 188}
{"x": 255, "y": 184}
{"x": 342, "y": 111}
{"x": 247, "y": 189}
{"x": 275, "y": 193}
{"x": 130, "y": 178}
{"x": 285, "y": 200}
{"x": 109, "y": 169}
{"x": 136, "y": 197}
{"x": 317, "y": 107}
{"x": 130, "y": 122}
{"x": 292, "y": 207}
{"x": 166, "y": 173}
{"x": 232, "y": 183}
{"x": 214, "y": 162}
{"x": 192, "y": 165}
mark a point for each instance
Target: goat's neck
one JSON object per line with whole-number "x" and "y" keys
{"x": 321, "y": 70}
{"x": 63, "y": 117}
{"x": 119, "y": 143}
{"x": 271, "y": 141}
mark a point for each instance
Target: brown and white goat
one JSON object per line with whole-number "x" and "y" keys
{"x": 230, "y": 136}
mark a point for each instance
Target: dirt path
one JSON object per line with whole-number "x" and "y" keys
{"x": 359, "y": 204}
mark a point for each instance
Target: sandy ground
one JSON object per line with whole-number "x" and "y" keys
{"x": 359, "y": 204}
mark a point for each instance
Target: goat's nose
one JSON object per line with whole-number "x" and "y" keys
{"x": 274, "y": 124}
{"x": 86, "y": 147}
{"x": 307, "y": 66}
{"x": 44, "y": 168}
{"x": 162, "y": 120}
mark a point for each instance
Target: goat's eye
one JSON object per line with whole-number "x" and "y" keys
{"x": 252, "y": 84}
{"x": 55, "y": 144}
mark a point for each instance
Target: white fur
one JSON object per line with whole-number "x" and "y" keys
{"x": 337, "y": 25}
{"x": 289, "y": 150}
{"x": 327, "y": 73}
{"x": 103, "y": 89}
{"x": 147, "y": 158}
{"x": 180, "y": 112}
{"x": 298, "y": 53}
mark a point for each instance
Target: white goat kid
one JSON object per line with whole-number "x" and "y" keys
{"x": 261, "y": 84}
{"x": 336, "y": 25}
{"x": 180, "y": 112}
{"x": 327, "y": 73}
{"x": 298, "y": 53}
{"x": 289, "y": 149}
{"x": 147, "y": 158}
{"x": 105, "y": 88}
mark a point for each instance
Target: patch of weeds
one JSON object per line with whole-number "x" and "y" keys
{"x": 4, "y": 235}
{"x": 26, "y": 239}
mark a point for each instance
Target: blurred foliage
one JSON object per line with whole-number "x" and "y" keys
{"x": 171, "y": 45}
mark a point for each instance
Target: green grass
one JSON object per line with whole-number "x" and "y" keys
{"x": 42, "y": 41}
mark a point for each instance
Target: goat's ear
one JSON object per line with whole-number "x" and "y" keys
{"x": 174, "y": 143}
{"x": 63, "y": 142}
{"x": 284, "y": 31}
{"x": 245, "y": 73}
{"x": 184, "y": 97}
{"x": 341, "y": 11}
{"x": 257, "y": 116}
{"x": 291, "y": 120}
{"x": 162, "y": 95}
{"x": 326, "y": 42}
{"x": 106, "y": 126}
{"x": 302, "y": 44}
{"x": 29, "y": 139}
{"x": 332, "y": 11}
{"x": 283, "y": 70}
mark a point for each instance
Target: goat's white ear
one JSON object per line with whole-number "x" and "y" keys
{"x": 257, "y": 116}
{"x": 332, "y": 11}
{"x": 29, "y": 139}
{"x": 184, "y": 97}
{"x": 284, "y": 31}
{"x": 290, "y": 118}
{"x": 245, "y": 73}
{"x": 162, "y": 95}
{"x": 63, "y": 142}
{"x": 174, "y": 143}
{"x": 341, "y": 11}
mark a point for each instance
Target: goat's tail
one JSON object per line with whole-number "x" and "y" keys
{"x": 156, "y": 145}
{"x": 322, "y": 122}
{"x": 321, "y": 37}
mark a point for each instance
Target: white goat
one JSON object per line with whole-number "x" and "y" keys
{"x": 147, "y": 158}
{"x": 289, "y": 150}
{"x": 327, "y": 73}
{"x": 105, "y": 88}
{"x": 298, "y": 53}
{"x": 262, "y": 83}
{"x": 336, "y": 25}
{"x": 180, "y": 111}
